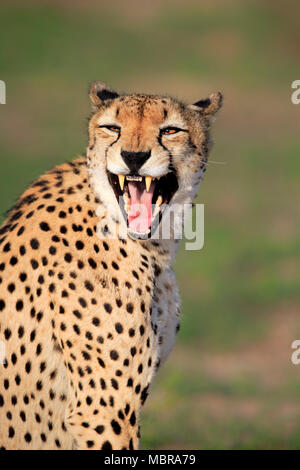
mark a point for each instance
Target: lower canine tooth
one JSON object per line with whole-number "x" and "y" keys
{"x": 159, "y": 200}
{"x": 126, "y": 201}
{"x": 121, "y": 181}
{"x": 148, "y": 180}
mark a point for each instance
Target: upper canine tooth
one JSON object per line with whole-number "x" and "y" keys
{"x": 121, "y": 181}
{"x": 148, "y": 180}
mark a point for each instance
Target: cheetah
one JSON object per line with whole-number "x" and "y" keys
{"x": 89, "y": 307}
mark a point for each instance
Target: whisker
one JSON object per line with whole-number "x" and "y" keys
{"x": 216, "y": 162}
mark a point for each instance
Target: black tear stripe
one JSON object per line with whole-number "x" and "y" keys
{"x": 110, "y": 145}
{"x": 171, "y": 166}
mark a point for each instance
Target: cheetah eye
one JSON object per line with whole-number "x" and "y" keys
{"x": 111, "y": 127}
{"x": 171, "y": 130}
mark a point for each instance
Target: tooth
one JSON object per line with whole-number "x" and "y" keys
{"x": 148, "y": 180}
{"x": 159, "y": 200}
{"x": 121, "y": 181}
{"x": 126, "y": 201}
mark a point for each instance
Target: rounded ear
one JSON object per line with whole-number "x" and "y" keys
{"x": 208, "y": 106}
{"x": 99, "y": 93}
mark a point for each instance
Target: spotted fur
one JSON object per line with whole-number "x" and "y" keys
{"x": 86, "y": 319}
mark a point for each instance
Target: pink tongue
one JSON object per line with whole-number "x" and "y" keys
{"x": 140, "y": 212}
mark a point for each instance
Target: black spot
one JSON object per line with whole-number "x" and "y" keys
{"x": 129, "y": 382}
{"x": 23, "y": 277}
{"x": 101, "y": 362}
{"x": 108, "y": 307}
{"x": 96, "y": 321}
{"x": 103, "y": 384}
{"x": 34, "y": 264}
{"x": 89, "y": 400}
{"x": 82, "y": 302}
{"x": 99, "y": 429}
{"x": 129, "y": 307}
{"x": 27, "y": 437}
{"x": 106, "y": 446}
{"x": 7, "y": 333}
{"x": 119, "y": 328}
{"x": 13, "y": 260}
{"x": 114, "y": 384}
{"x": 133, "y": 351}
{"x": 92, "y": 263}
{"x": 68, "y": 257}
{"x": 132, "y": 419}
{"x": 6, "y": 247}
{"x": 116, "y": 427}
{"x": 76, "y": 329}
{"x": 114, "y": 355}
{"x": 34, "y": 244}
{"x": 44, "y": 261}
{"x": 77, "y": 314}
{"x": 44, "y": 226}
{"x": 89, "y": 286}
{"x": 19, "y": 305}
{"x": 21, "y": 332}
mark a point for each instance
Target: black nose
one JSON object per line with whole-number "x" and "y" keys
{"x": 134, "y": 160}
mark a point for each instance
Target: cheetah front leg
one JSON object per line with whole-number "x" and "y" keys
{"x": 109, "y": 355}
{"x": 97, "y": 418}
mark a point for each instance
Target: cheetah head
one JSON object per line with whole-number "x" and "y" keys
{"x": 146, "y": 153}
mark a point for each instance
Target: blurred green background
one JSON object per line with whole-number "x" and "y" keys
{"x": 229, "y": 383}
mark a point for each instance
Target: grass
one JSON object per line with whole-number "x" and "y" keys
{"x": 241, "y": 290}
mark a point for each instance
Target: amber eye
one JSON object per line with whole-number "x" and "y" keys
{"x": 111, "y": 128}
{"x": 170, "y": 130}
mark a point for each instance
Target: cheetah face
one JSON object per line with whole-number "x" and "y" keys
{"x": 148, "y": 151}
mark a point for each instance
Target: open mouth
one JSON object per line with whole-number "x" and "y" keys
{"x": 143, "y": 200}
